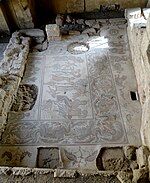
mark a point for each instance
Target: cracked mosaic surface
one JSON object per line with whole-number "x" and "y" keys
{"x": 83, "y": 100}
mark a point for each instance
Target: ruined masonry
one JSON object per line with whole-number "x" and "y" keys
{"x": 11, "y": 72}
{"x": 87, "y": 118}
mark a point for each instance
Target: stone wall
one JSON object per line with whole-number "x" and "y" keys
{"x": 91, "y": 5}
{"x": 17, "y": 14}
{"x": 131, "y": 167}
{"x": 28, "y": 13}
{"x": 21, "y": 13}
{"x": 11, "y": 71}
{"x": 139, "y": 39}
{"x": 70, "y": 6}
{"x": 24, "y": 175}
{"x": 3, "y": 23}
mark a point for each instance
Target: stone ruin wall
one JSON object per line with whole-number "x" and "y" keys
{"x": 21, "y": 13}
{"x": 70, "y": 6}
{"x": 3, "y": 24}
{"x": 139, "y": 39}
{"x": 24, "y": 13}
{"x": 11, "y": 71}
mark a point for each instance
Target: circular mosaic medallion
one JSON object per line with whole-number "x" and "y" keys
{"x": 78, "y": 48}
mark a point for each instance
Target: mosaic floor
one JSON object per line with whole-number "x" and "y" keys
{"x": 83, "y": 102}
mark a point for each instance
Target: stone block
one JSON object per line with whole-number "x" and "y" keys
{"x": 65, "y": 173}
{"x": 36, "y": 34}
{"x": 2, "y": 121}
{"x": 80, "y": 21}
{"x": 135, "y": 17}
{"x": 21, "y": 12}
{"x": 139, "y": 30}
{"x": 133, "y": 13}
{"x": 54, "y": 38}
{"x": 134, "y": 165}
{"x": 125, "y": 177}
{"x": 89, "y": 31}
{"x": 52, "y": 30}
{"x": 15, "y": 58}
{"x": 130, "y": 152}
{"x": 41, "y": 47}
{"x": 117, "y": 21}
{"x": 93, "y": 24}
{"x": 72, "y": 32}
{"x": 90, "y": 23}
{"x": 140, "y": 176}
{"x": 11, "y": 70}
{"x": 59, "y": 20}
{"x": 146, "y": 12}
{"x": 142, "y": 154}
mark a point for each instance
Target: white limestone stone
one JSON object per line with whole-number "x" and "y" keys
{"x": 133, "y": 13}
{"x": 146, "y": 12}
{"x": 135, "y": 17}
{"x": 52, "y": 30}
{"x": 142, "y": 155}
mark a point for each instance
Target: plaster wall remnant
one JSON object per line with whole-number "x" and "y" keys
{"x": 139, "y": 30}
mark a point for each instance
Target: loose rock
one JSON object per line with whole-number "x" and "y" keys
{"x": 142, "y": 156}
{"x": 60, "y": 20}
{"x": 90, "y": 31}
{"x": 80, "y": 21}
{"x": 74, "y": 32}
{"x": 130, "y": 152}
{"x": 90, "y": 23}
{"x": 53, "y": 32}
{"x": 36, "y": 34}
{"x": 134, "y": 165}
{"x": 125, "y": 177}
{"x": 140, "y": 176}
